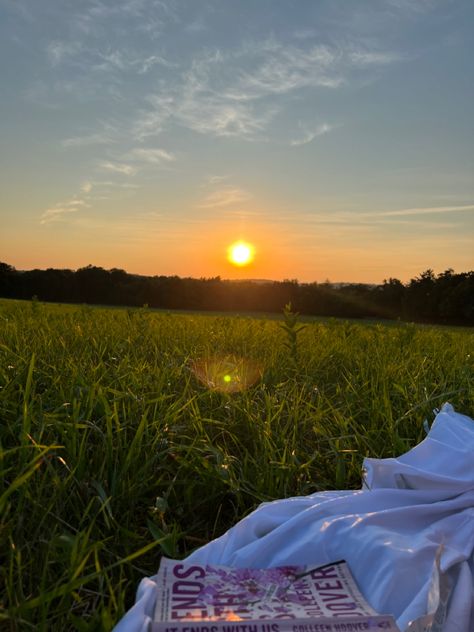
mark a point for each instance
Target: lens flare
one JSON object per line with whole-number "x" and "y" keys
{"x": 228, "y": 374}
{"x": 240, "y": 253}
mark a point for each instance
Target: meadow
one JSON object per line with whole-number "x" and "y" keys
{"x": 128, "y": 434}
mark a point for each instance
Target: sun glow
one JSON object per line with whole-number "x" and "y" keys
{"x": 240, "y": 253}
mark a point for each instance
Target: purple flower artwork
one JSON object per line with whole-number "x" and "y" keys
{"x": 267, "y": 592}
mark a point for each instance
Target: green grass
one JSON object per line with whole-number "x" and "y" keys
{"x": 112, "y": 453}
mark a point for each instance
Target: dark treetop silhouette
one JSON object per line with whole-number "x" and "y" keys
{"x": 444, "y": 298}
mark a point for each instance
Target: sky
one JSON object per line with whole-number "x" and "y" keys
{"x": 335, "y": 136}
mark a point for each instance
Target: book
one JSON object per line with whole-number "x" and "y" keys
{"x": 207, "y": 598}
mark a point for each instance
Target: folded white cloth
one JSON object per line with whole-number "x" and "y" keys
{"x": 389, "y": 532}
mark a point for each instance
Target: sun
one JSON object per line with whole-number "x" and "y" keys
{"x": 240, "y": 253}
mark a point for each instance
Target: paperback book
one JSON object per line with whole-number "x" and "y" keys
{"x": 207, "y": 598}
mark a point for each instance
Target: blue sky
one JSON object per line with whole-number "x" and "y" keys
{"x": 336, "y": 136}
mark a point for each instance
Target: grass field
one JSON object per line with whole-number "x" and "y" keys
{"x": 113, "y": 452}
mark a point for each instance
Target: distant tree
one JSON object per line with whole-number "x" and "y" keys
{"x": 421, "y": 296}
{"x": 389, "y": 297}
{"x": 8, "y": 275}
{"x": 446, "y": 298}
{"x": 92, "y": 285}
{"x": 455, "y": 296}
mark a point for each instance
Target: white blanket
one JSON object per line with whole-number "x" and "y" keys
{"x": 388, "y": 532}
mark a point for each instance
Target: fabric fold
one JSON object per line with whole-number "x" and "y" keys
{"x": 389, "y": 532}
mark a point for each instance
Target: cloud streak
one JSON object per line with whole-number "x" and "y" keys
{"x": 231, "y": 92}
{"x": 400, "y": 217}
{"x": 118, "y": 167}
{"x": 152, "y": 156}
{"x": 227, "y": 196}
{"x": 237, "y": 93}
{"x": 310, "y": 135}
{"x": 427, "y": 210}
{"x": 88, "y": 140}
{"x": 57, "y": 212}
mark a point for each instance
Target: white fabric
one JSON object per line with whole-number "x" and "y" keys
{"x": 388, "y": 532}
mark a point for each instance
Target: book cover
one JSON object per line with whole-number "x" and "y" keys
{"x": 208, "y": 598}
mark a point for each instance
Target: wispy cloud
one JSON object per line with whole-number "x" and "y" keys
{"x": 427, "y": 210}
{"x": 196, "y": 106}
{"x": 105, "y": 185}
{"x": 152, "y": 120}
{"x": 59, "y": 51}
{"x": 411, "y": 6}
{"x": 99, "y": 138}
{"x": 90, "y": 191}
{"x": 364, "y": 58}
{"x": 410, "y": 218}
{"x": 147, "y": 63}
{"x": 238, "y": 92}
{"x": 225, "y": 92}
{"x": 216, "y": 179}
{"x": 310, "y": 135}
{"x": 55, "y": 213}
{"x": 226, "y": 196}
{"x": 283, "y": 69}
{"x": 140, "y": 16}
{"x": 118, "y": 167}
{"x": 384, "y": 216}
{"x": 125, "y": 61}
{"x": 220, "y": 118}
{"x": 96, "y": 60}
{"x": 150, "y": 155}
{"x": 58, "y": 211}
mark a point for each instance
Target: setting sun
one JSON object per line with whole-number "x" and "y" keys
{"x": 240, "y": 253}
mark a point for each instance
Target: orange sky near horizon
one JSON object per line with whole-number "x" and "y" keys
{"x": 280, "y": 253}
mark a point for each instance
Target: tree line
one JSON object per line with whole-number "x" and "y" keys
{"x": 446, "y": 298}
